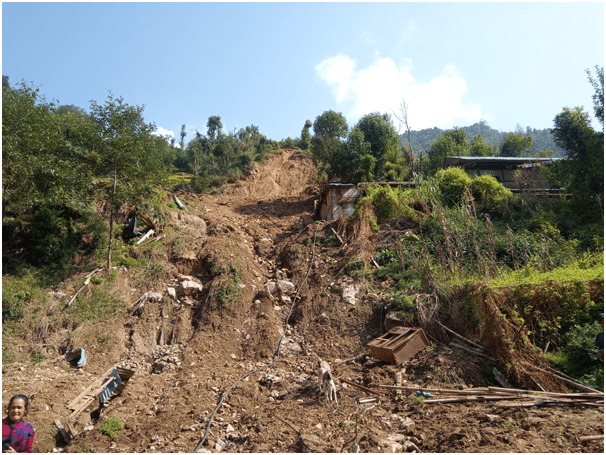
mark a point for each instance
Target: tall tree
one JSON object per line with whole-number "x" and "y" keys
{"x": 478, "y": 147}
{"x": 305, "y": 142}
{"x": 214, "y": 127}
{"x": 598, "y": 96}
{"x": 183, "y": 134}
{"x": 450, "y": 143}
{"x": 384, "y": 142}
{"x": 516, "y": 144}
{"x": 43, "y": 152}
{"x": 124, "y": 157}
{"x": 584, "y": 163}
{"x": 330, "y": 128}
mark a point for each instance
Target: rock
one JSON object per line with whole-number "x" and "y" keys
{"x": 220, "y": 444}
{"x": 308, "y": 443}
{"x": 410, "y": 446}
{"x": 350, "y": 292}
{"x": 187, "y": 288}
{"x": 154, "y": 297}
{"x": 393, "y": 447}
{"x": 172, "y": 292}
{"x": 286, "y": 287}
{"x": 397, "y": 438}
{"x": 229, "y": 429}
{"x": 406, "y": 424}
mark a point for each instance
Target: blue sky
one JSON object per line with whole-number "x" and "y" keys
{"x": 276, "y": 65}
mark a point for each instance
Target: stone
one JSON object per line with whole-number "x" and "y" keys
{"x": 406, "y": 423}
{"x": 154, "y": 297}
{"x": 350, "y": 292}
{"x": 187, "y": 288}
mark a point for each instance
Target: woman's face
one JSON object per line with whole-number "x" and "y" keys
{"x": 16, "y": 410}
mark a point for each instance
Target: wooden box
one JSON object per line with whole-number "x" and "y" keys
{"x": 399, "y": 344}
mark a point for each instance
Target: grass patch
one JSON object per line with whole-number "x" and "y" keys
{"x": 110, "y": 427}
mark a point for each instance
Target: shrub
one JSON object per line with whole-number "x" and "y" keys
{"x": 487, "y": 190}
{"x": 110, "y": 426}
{"x": 453, "y": 183}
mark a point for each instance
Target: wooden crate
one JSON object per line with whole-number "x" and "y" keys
{"x": 399, "y": 344}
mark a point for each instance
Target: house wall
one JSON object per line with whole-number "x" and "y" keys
{"x": 338, "y": 202}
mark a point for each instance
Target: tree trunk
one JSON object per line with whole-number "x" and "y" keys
{"x": 111, "y": 223}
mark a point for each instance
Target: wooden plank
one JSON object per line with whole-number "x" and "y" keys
{"x": 72, "y": 432}
{"x": 74, "y": 402}
{"x": 64, "y": 435}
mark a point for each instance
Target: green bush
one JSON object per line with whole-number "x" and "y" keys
{"x": 453, "y": 183}
{"x": 579, "y": 357}
{"x": 110, "y": 426}
{"x": 487, "y": 190}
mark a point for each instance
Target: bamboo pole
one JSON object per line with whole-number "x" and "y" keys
{"x": 596, "y": 437}
{"x": 361, "y": 387}
{"x": 479, "y": 346}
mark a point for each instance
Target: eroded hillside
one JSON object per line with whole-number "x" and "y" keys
{"x": 224, "y": 305}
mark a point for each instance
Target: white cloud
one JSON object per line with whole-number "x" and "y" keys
{"x": 164, "y": 132}
{"x": 383, "y": 85}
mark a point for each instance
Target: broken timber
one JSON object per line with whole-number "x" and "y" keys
{"x": 86, "y": 281}
{"x": 99, "y": 385}
{"x": 399, "y": 344}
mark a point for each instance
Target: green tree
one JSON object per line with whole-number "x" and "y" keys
{"x": 354, "y": 162}
{"x": 305, "y": 142}
{"x": 583, "y": 167}
{"x": 516, "y": 144}
{"x": 478, "y": 147}
{"x": 123, "y": 157}
{"x": 450, "y": 143}
{"x": 598, "y": 96}
{"x": 330, "y": 128}
{"x": 214, "y": 127}
{"x": 183, "y": 134}
{"x": 384, "y": 143}
{"x": 44, "y": 156}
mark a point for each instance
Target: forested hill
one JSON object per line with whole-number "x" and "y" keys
{"x": 541, "y": 139}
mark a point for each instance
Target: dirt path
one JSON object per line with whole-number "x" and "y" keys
{"x": 185, "y": 362}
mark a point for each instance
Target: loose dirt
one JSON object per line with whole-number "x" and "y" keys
{"x": 188, "y": 354}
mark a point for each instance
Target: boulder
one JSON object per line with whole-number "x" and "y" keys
{"x": 187, "y": 288}
{"x": 350, "y": 293}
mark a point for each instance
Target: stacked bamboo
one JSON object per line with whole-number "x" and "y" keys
{"x": 521, "y": 398}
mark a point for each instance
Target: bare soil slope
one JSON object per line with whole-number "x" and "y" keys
{"x": 188, "y": 353}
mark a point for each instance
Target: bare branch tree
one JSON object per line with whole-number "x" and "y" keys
{"x": 403, "y": 119}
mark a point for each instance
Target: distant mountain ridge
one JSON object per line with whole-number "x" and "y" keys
{"x": 541, "y": 139}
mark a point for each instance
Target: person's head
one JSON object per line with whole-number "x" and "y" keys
{"x": 18, "y": 408}
{"x": 601, "y": 319}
